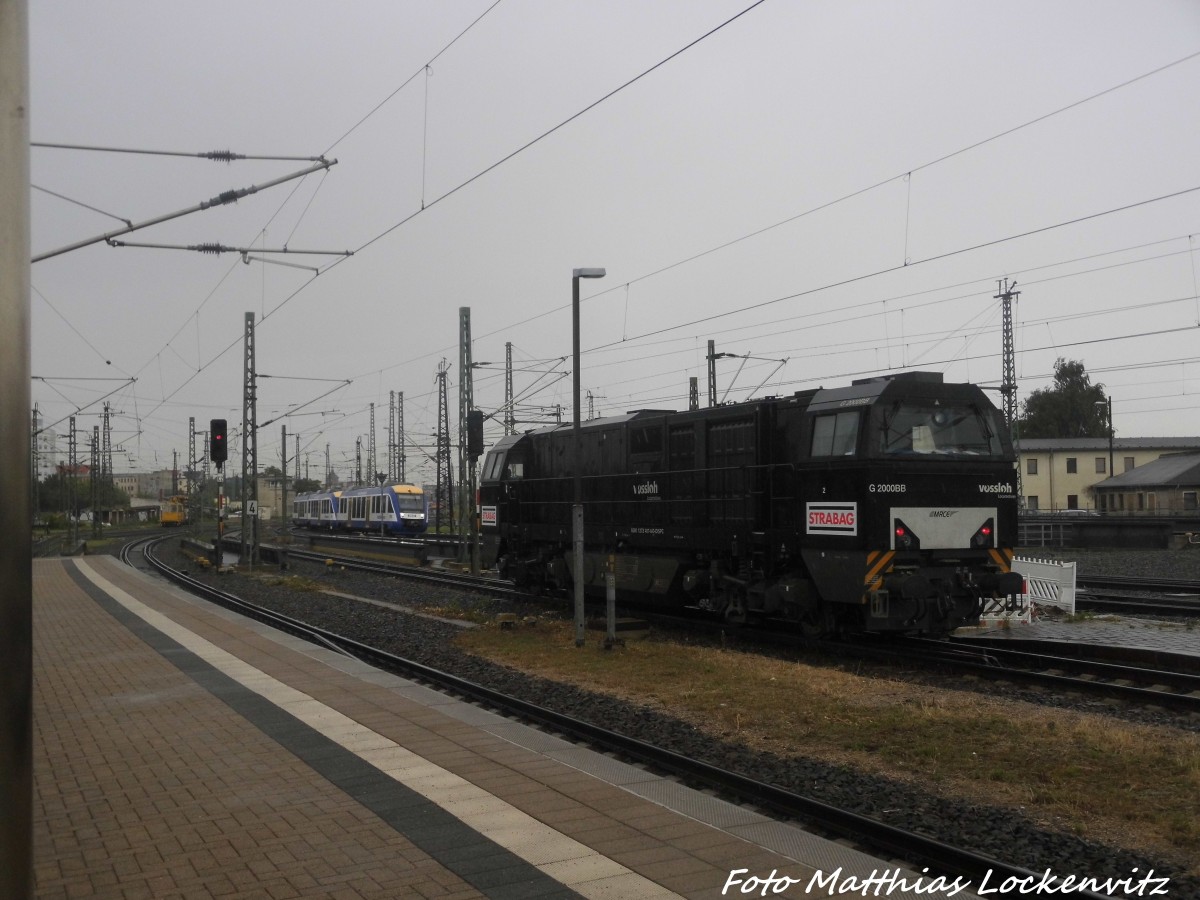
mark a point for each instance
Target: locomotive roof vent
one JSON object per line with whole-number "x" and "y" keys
{"x": 923, "y": 377}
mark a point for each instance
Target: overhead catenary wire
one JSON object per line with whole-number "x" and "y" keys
{"x": 863, "y": 310}
{"x": 82, "y": 204}
{"x": 216, "y": 155}
{"x": 378, "y": 106}
{"x": 963, "y": 150}
{"x": 548, "y": 132}
{"x": 909, "y": 173}
{"x": 852, "y": 280}
{"x": 195, "y": 315}
{"x": 231, "y": 196}
{"x": 924, "y": 260}
{"x": 824, "y": 349}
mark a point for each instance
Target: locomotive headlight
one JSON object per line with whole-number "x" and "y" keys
{"x": 986, "y": 535}
{"x": 903, "y": 537}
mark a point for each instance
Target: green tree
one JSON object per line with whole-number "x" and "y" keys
{"x": 54, "y": 494}
{"x": 1069, "y": 409}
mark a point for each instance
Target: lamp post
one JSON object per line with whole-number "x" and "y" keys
{"x": 577, "y": 507}
{"x": 1107, "y": 405}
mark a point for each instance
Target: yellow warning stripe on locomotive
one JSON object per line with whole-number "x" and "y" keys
{"x": 1002, "y": 557}
{"x": 878, "y": 562}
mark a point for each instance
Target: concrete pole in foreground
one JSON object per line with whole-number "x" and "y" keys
{"x": 16, "y": 574}
{"x": 577, "y": 530}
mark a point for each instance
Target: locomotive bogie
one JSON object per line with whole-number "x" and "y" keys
{"x": 887, "y": 505}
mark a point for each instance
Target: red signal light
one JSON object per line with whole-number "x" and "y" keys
{"x": 217, "y": 446}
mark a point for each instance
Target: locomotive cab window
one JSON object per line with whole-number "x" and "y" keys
{"x": 493, "y": 466}
{"x": 926, "y": 428}
{"x": 502, "y": 466}
{"x": 836, "y": 434}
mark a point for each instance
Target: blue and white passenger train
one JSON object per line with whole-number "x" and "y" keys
{"x": 390, "y": 509}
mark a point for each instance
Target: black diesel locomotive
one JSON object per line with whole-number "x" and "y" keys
{"x": 886, "y": 506}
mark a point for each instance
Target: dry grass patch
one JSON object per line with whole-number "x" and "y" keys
{"x": 1102, "y": 778}
{"x": 298, "y": 583}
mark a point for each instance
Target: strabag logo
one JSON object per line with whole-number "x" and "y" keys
{"x": 832, "y": 518}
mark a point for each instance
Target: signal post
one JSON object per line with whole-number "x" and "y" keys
{"x": 218, "y": 451}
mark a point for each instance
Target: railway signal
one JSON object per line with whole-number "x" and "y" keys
{"x": 218, "y": 448}
{"x": 474, "y": 434}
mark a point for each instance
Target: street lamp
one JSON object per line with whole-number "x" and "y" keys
{"x": 577, "y": 507}
{"x": 1107, "y": 404}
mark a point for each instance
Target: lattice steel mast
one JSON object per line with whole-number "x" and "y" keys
{"x": 106, "y": 463}
{"x": 1008, "y": 386}
{"x": 510, "y": 413}
{"x": 96, "y": 474}
{"x": 466, "y": 402}
{"x": 392, "y": 468}
{"x": 372, "y": 459}
{"x": 249, "y": 448}
{"x": 444, "y": 487}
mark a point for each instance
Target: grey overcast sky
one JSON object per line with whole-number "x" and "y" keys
{"x": 840, "y": 185}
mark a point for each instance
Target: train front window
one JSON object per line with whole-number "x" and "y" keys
{"x": 410, "y": 502}
{"x": 835, "y": 434}
{"x": 493, "y": 466}
{"x": 498, "y": 466}
{"x": 941, "y": 429}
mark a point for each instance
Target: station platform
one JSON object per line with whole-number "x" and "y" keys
{"x": 181, "y": 750}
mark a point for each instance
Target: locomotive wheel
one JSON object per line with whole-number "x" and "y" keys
{"x": 816, "y": 623}
{"x": 735, "y": 612}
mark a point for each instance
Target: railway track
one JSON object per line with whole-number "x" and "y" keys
{"x": 1143, "y": 678}
{"x": 1138, "y": 677}
{"x": 442, "y": 577}
{"x": 1136, "y": 583}
{"x": 1157, "y": 597}
{"x": 873, "y": 836}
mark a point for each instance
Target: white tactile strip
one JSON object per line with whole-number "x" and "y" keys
{"x": 566, "y": 860}
{"x": 784, "y": 838}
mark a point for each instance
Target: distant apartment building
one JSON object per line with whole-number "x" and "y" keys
{"x": 1168, "y": 486}
{"x": 160, "y": 484}
{"x": 45, "y": 448}
{"x": 1060, "y": 474}
{"x": 128, "y": 483}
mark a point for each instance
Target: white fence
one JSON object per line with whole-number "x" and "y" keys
{"x": 1047, "y": 583}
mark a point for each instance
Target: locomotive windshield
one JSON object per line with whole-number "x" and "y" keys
{"x": 915, "y": 427}
{"x": 835, "y": 434}
{"x": 495, "y": 468}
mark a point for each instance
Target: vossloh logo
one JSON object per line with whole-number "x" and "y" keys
{"x": 832, "y": 517}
